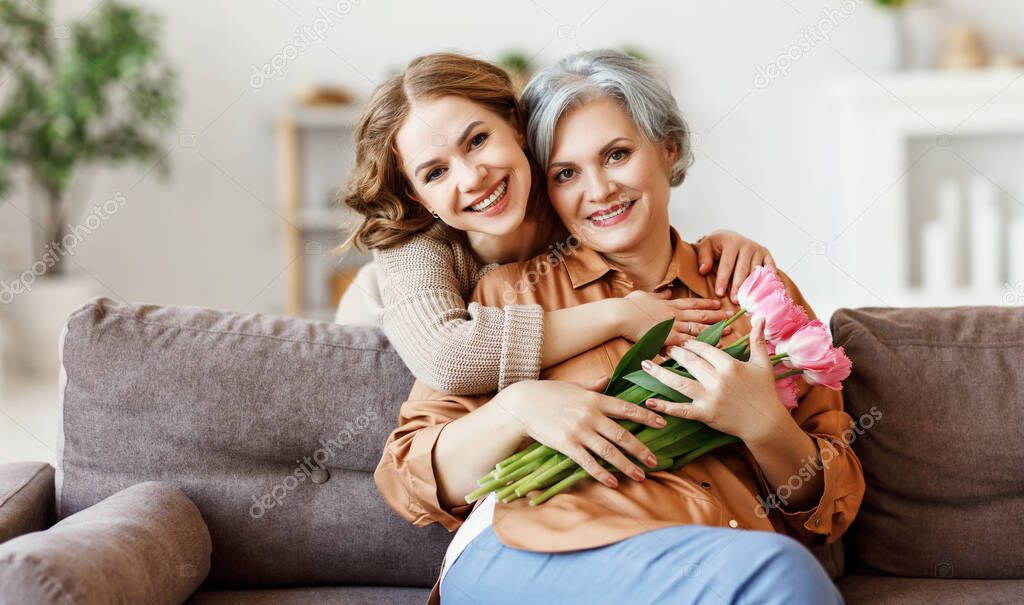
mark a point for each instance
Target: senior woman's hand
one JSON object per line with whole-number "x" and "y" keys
{"x": 577, "y": 420}
{"x": 737, "y": 257}
{"x": 728, "y": 395}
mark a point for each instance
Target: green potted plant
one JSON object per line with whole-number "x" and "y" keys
{"x": 519, "y": 68}
{"x": 890, "y": 19}
{"x": 97, "y": 92}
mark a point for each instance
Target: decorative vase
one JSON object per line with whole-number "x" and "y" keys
{"x": 923, "y": 26}
{"x": 890, "y": 51}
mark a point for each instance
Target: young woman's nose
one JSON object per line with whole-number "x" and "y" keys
{"x": 470, "y": 177}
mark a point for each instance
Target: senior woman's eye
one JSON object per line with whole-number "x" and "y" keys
{"x": 617, "y": 155}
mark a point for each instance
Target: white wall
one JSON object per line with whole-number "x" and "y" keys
{"x": 211, "y": 236}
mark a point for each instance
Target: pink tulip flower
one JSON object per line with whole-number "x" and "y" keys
{"x": 834, "y": 376}
{"x": 762, "y": 282}
{"x": 782, "y": 317}
{"x": 787, "y": 390}
{"x": 810, "y": 349}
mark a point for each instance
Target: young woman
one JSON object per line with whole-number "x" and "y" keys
{"x": 613, "y": 143}
{"x": 446, "y": 192}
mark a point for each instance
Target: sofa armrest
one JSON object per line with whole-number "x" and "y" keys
{"x": 26, "y": 498}
{"x": 145, "y": 544}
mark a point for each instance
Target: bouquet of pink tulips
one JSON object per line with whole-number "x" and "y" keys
{"x": 798, "y": 346}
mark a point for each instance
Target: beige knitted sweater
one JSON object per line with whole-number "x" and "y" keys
{"x": 456, "y": 349}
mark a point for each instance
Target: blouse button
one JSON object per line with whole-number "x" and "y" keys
{"x": 817, "y": 522}
{"x": 733, "y": 524}
{"x": 705, "y": 485}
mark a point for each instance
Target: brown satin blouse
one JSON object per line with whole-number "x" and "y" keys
{"x": 721, "y": 488}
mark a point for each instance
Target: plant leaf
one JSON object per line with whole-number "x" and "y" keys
{"x": 645, "y": 380}
{"x": 649, "y": 345}
{"x": 689, "y": 437}
{"x": 712, "y": 334}
{"x": 712, "y": 442}
{"x": 735, "y": 350}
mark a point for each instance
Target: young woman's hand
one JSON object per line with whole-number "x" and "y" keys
{"x": 641, "y": 310}
{"x": 729, "y": 395}
{"x": 577, "y": 421}
{"x": 737, "y": 258}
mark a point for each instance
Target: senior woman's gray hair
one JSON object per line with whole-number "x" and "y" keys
{"x": 591, "y": 74}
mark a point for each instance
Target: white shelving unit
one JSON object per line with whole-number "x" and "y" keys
{"x": 316, "y": 152}
{"x": 891, "y": 129}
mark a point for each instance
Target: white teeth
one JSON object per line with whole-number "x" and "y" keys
{"x": 494, "y": 197}
{"x": 605, "y": 217}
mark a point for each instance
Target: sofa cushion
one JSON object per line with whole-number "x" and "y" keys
{"x": 26, "y": 498}
{"x": 271, "y": 425}
{"x": 940, "y": 396}
{"x": 334, "y": 595}
{"x": 880, "y": 590}
{"x": 145, "y": 544}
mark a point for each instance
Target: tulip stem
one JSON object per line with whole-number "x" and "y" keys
{"x": 559, "y": 487}
{"x": 516, "y": 456}
{"x": 543, "y": 479}
{"x": 489, "y": 486}
{"x": 536, "y": 454}
{"x": 511, "y": 492}
{"x": 738, "y": 315}
{"x": 789, "y": 373}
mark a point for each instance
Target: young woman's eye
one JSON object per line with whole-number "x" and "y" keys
{"x": 478, "y": 140}
{"x": 434, "y": 173}
{"x": 564, "y": 174}
{"x": 618, "y": 155}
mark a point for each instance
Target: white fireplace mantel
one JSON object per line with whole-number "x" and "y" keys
{"x": 878, "y": 116}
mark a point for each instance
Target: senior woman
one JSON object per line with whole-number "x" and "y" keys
{"x": 613, "y": 143}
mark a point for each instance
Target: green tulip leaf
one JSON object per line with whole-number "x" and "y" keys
{"x": 645, "y": 380}
{"x": 649, "y": 345}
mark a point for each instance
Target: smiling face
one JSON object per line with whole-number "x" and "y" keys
{"x": 608, "y": 183}
{"x": 466, "y": 164}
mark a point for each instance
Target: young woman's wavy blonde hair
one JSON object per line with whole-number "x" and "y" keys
{"x": 377, "y": 189}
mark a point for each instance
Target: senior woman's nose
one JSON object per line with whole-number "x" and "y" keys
{"x": 601, "y": 190}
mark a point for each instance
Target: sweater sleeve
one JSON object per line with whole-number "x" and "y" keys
{"x": 449, "y": 345}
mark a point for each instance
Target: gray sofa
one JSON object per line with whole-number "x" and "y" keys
{"x": 254, "y": 439}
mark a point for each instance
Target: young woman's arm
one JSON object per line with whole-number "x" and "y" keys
{"x": 569, "y": 332}
{"x": 466, "y": 349}
{"x": 448, "y": 345}
{"x": 573, "y": 330}
{"x": 471, "y": 349}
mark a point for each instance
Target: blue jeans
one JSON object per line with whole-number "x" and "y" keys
{"x": 692, "y": 564}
